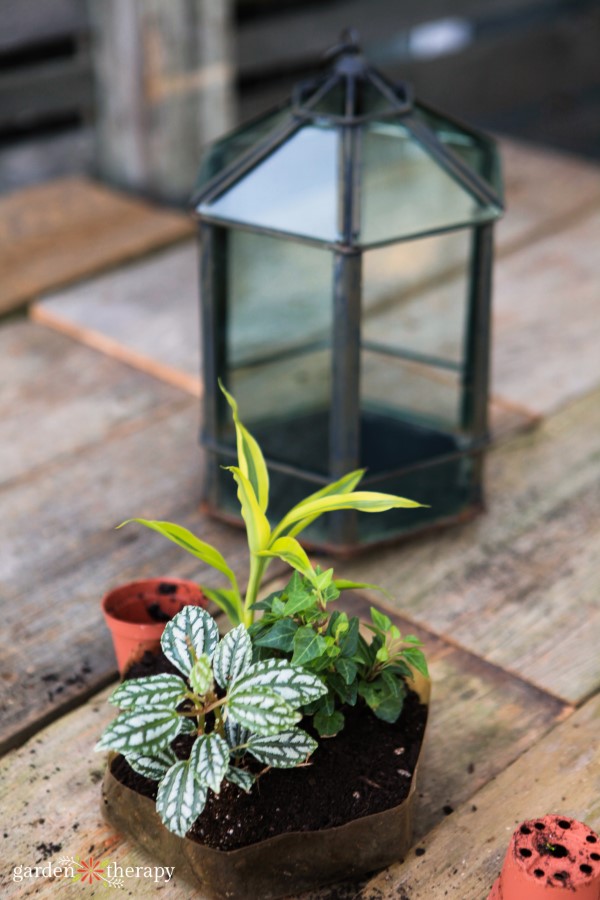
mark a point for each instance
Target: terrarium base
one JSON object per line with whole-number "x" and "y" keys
{"x": 283, "y": 864}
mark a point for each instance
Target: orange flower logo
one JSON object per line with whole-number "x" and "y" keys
{"x": 90, "y": 871}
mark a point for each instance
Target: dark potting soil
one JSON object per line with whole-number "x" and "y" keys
{"x": 365, "y": 769}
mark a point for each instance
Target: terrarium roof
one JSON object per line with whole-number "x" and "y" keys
{"x": 351, "y": 161}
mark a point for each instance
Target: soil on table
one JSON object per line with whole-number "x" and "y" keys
{"x": 365, "y": 769}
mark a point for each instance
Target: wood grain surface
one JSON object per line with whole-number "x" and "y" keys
{"x": 56, "y": 233}
{"x": 559, "y": 775}
{"x": 519, "y": 585}
{"x": 474, "y": 706}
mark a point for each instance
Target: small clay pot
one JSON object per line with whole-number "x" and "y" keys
{"x": 286, "y": 864}
{"x": 550, "y": 858}
{"x": 136, "y": 614}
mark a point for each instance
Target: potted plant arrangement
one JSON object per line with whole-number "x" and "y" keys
{"x": 281, "y": 756}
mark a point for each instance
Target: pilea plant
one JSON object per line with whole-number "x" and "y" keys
{"x": 229, "y": 705}
{"x": 296, "y": 624}
{"x": 264, "y": 541}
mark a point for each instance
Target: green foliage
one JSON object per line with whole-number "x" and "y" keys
{"x": 298, "y": 625}
{"x": 228, "y": 703}
{"x": 306, "y": 659}
{"x": 264, "y": 542}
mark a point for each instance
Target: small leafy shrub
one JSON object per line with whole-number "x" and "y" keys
{"x": 296, "y": 624}
{"x": 233, "y": 706}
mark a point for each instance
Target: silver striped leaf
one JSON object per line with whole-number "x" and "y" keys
{"x": 284, "y": 750}
{"x": 189, "y": 634}
{"x": 180, "y": 798}
{"x": 233, "y": 656}
{"x": 261, "y": 709}
{"x": 141, "y": 731}
{"x": 294, "y": 685}
{"x": 240, "y": 777}
{"x": 154, "y": 766}
{"x": 209, "y": 760}
{"x": 156, "y": 690}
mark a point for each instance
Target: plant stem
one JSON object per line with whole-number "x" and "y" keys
{"x": 258, "y": 567}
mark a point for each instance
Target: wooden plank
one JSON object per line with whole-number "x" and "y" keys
{"x": 58, "y": 396}
{"x": 559, "y": 775}
{"x": 42, "y": 157}
{"x": 165, "y": 80}
{"x": 62, "y": 231}
{"x": 58, "y": 87}
{"x": 146, "y": 314}
{"x": 59, "y": 553}
{"x": 479, "y": 716}
{"x": 547, "y": 326}
{"x": 39, "y": 21}
{"x": 518, "y": 585}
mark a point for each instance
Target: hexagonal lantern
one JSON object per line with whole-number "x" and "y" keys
{"x": 346, "y": 257}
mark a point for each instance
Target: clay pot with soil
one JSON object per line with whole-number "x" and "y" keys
{"x": 276, "y": 751}
{"x": 549, "y": 858}
{"x": 136, "y": 614}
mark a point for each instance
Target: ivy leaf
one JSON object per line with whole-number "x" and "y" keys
{"x": 155, "y": 690}
{"x": 329, "y": 725}
{"x": 232, "y": 656}
{"x": 308, "y": 645}
{"x": 141, "y": 731}
{"x": 293, "y": 685}
{"x": 279, "y": 637}
{"x": 153, "y": 766}
{"x": 385, "y": 696}
{"x": 180, "y": 798}
{"x": 284, "y": 750}
{"x": 299, "y": 602}
{"x": 191, "y": 633}
{"x": 261, "y": 710}
{"x": 210, "y": 760}
{"x": 240, "y": 777}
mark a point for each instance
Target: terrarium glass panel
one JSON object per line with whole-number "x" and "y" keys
{"x": 294, "y": 190}
{"x": 278, "y": 346}
{"x": 405, "y": 192}
{"x": 476, "y": 150}
{"x": 232, "y": 147}
{"x": 415, "y": 297}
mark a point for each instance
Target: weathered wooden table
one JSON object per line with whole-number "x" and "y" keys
{"x": 508, "y": 605}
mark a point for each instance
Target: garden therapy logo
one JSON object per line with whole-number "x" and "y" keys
{"x": 90, "y": 871}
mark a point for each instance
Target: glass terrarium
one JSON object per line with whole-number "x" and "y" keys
{"x": 346, "y": 257}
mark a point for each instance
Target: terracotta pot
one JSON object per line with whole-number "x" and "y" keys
{"x": 276, "y": 867}
{"x": 133, "y": 613}
{"x": 550, "y": 858}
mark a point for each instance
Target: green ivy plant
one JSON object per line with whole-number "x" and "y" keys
{"x": 232, "y": 705}
{"x": 265, "y": 542}
{"x": 297, "y": 624}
